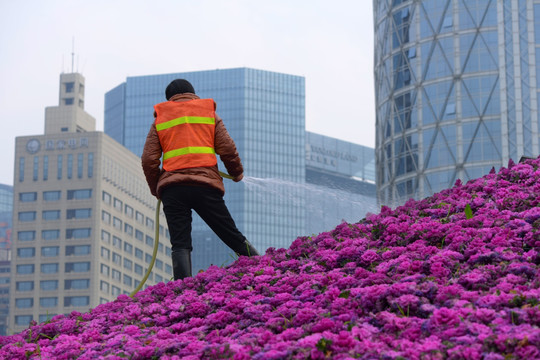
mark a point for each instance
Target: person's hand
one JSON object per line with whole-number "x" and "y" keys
{"x": 238, "y": 178}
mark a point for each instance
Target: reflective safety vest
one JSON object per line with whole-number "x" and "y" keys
{"x": 186, "y": 133}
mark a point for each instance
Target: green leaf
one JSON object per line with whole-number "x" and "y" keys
{"x": 468, "y": 212}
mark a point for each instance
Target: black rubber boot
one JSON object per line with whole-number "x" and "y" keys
{"x": 181, "y": 263}
{"x": 248, "y": 250}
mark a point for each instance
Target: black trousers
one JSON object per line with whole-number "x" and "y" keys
{"x": 179, "y": 200}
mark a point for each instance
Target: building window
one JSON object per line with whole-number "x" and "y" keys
{"x": 117, "y": 223}
{"x": 52, "y": 195}
{"x": 69, "y": 86}
{"x": 128, "y": 264}
{"x": 139, "y": 235}
{"x": 45, "y": 168}
{"x": 105, "y": 269}
{"x": 27, "y": 235}
{"x": 50, "y": 234}
{"x": 79, "y": 213}
{"x": 78, "y": 250}
{"x": 116, "y": 258}
{"x": 139, "y": 217}
{"x": 128, "y": 210}
{"x": 138, "y": 269}
{"x": 25, "y": 285}
{"x": 25, "y": 269}
{"x": 48, "y": 302}
{"x": 23, "y": 320}
{"x": 105, "y": 253}
{"x": 50, "y": 251}
{"x": 24, "y": 303}
{"x": 50, "y": 215}
{"x": 90, "y": 165}
{"x": 168, "y": 269}
{"x": 159, "y": 264}
{"x": 105, "y": 236}
{"x": 115, "y": 291}
{"x": 81, "y": 233}
{"x": 118, "y": 204}
{"x": 27, "y": 216}
{"x": 59, "y": 167}
{"x": 77, "y": 267}
{"x": 80, "y": 160}
{"x": 159, "y": 278}
{"x": 128, "y": 280}
{"x": 116, "y": 275}
{"x": 36, "y": 168}
{"x": 128, "y": 248}
{"x": 77, "y": 284}
{"x": 128, "y": 229}
{"x": 51, "y": 268}
{"x": 21, "y": 169}
{"x": 149, "y": 241}
{"x": 79, "y": 194}
{"x": 106, "y": 197}
{"x": 70, "y": 166}
{"x": 104, "y": 286}
{"x": 106, "y": 217}
{"x": 68, "y": 101}
{"x": 139, "y": 253}
{"x": 76, "y": 301}
{"x": 117, "y": 242}
{"x": 148, "y": 258}
{"x": 28, "y": 196}
{"x": 48, "y": 285}
{"x": 150, "y": 223}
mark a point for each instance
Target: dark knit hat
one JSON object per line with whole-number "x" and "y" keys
{"x": 178, "y": 86}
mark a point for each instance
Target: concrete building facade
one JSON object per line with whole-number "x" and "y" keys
{"x": 83, "y": 225}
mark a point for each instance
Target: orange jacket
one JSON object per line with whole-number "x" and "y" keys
{"x": 186, "y": 133}
{"x": 158, "y": 178}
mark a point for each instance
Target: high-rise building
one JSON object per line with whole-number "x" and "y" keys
{"x": 457, "y": 86}
{"x": 265, "y": 114}
{"x": 83, "y": 223}
{"x": 340, "y": 182}
{"x": 6, "y": 214}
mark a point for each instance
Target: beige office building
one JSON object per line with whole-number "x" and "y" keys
{"x": 83, "y": 218}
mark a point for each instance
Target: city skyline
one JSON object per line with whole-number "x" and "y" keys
{"x": 327, "y": 44}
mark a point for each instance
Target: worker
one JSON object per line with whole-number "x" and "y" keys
{"x": 188, "y": 133}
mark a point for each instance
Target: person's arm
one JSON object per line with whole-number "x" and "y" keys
{"x": 226, "y": 149}
{"x": 151, "y": 160}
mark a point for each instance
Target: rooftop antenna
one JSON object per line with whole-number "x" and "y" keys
{"x": 72, "y": 53}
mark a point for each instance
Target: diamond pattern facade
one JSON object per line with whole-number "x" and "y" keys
{"x": 456, "y": 91}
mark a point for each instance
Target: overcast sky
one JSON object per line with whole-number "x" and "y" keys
{"x": 330, "y": 43}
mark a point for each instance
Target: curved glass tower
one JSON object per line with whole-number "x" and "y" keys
{"x": 456, "y": 91}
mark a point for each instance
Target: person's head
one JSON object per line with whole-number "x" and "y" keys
{"x": 178, "y": 86}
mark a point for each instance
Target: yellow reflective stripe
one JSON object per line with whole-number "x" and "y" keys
{"x": 189, "y": 150}
{"x": 186, "y": 120}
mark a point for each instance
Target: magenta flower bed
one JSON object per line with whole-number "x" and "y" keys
{"x": 454, "y": 276}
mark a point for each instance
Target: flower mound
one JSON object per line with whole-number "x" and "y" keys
{"x": 454, "y": 276}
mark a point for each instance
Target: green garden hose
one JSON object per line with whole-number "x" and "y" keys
{"x": 154, "y": 255}
{"x": 156, "y": 242}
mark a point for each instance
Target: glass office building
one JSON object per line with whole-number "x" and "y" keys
{"x": 457, "y": 87}
{"x": 340, "y": 182}
{"x": 6, "y": 214}
{"x": 264, "y": 113}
